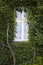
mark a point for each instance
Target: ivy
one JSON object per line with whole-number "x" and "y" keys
{"x": 27, "y": 53}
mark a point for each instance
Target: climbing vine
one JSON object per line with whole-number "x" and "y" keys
{"x": 26, "y": 53}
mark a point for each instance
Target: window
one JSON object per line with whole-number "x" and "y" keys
{"x": 22, "y": 26}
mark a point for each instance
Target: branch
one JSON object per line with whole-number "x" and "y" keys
{"x": 13, "y": 55}
{"x": 4, "y": 45}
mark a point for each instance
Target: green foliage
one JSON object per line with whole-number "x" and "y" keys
{"x": 36, "y": 31}
{"x": 24, "y": 51}
{"x": 25, "y": 3}
{"x": 5, "y": 56}
{"x": 6, "y": 17}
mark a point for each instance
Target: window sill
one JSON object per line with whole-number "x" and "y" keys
{"x": 20, "y": 40}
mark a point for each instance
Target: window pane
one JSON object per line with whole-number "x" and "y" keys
{"x": 25, "y": 27}
{"x": 19, "y": 15}
{"x": 19, "y": 30}
{"x": 25, "y": 30}
{"x": 25, "y": 36}
{"x": 19, "y": 27}
{"x": 18, "y": 36}
{"x": 25, "y": 15}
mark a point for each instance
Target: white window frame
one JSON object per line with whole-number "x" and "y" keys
{"x": 23, "y": 20}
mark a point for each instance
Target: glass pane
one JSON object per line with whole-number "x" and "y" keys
{"x": 25, "y": 36}
{"x": 25, "y": 15}
{"x": 25, "y": 30}
{"x": 25, "y": 27}
{"x": 18, "y": 36}
{"x": 19, "y": 30}
{"x": 19, "y": 15}
{"x": 19, "y": 27}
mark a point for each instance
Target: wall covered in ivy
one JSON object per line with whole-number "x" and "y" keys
{"x": 27, "y": 53}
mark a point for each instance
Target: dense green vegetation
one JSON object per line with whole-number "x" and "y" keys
{"x": 26, "y": 53}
